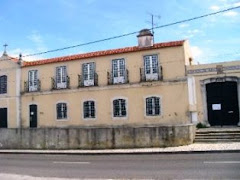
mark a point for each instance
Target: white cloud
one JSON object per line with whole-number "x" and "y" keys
{"x": 38, "y": 41}
{"x": 35, "y": 37}
{"x": 215, "y": 8}
{"x": 191, "y": 33}
{"x": 230, "y": 14}
{"x": 196, "y": 51}
{"x": 15, "y": 53}
{"x": 183, "y": 25}
{"x": 236, "y": 4}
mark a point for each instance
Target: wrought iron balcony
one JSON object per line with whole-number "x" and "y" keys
{"x": 158, "y": 76}
{"x": 28, "y": 87}
{"x": 118, "y": 80}
{"x": 87, "y": 83}
{"x": 62, "y": 85}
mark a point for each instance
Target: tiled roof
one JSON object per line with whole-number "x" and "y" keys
{"x": 102, "y": 53}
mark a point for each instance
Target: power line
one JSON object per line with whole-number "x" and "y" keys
{"x": 128, "y": 34}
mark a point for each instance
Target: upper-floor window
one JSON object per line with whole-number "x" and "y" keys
{"x": 118, "y": 71}
{"x": 61, "y": 77}
{"x": 153, "y": 106}
{"x": 151, "y": 68}
{"x": 88, "y": 74}
{"x": 119, "y": 108}
{"x": 33, "y": 83}
{"x": 61, "y": 110}
{"x": 89, "y": 109}
{"x": 3, "y": 84}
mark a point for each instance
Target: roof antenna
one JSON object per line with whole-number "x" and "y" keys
{"x": 152, "y": 23}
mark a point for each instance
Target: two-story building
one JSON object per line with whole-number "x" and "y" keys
{"x": 147, "y": 84}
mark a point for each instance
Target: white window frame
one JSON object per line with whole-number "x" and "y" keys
{"x": 151, "y": 76}
{"x": 89, "y": 81}
{"x": 126, "y": 106}
{"x": 160, "y": 106}
{"x": 56, "y": 110}
{"x": 33, "y": 81}
{"x": 118, "y": 70}
{"x": 61, "y": 82}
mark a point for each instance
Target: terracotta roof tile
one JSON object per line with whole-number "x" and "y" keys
{"x": 102, "y": 53}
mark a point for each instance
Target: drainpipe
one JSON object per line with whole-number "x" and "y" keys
{"x": 18, "y": 92}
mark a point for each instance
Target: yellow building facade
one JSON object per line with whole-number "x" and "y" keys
{"x": 148, "y": 84}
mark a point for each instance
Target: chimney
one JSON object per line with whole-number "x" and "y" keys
{"x": 145, "y": 38}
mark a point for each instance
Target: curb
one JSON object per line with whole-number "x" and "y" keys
{"x": 116, "y": 153}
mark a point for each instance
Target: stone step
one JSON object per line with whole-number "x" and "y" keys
{"x": 217, "y": 137}
{"x": 218, "y": 132}
{"x": 215, "y": 140}
{"x": 220, "y": 135}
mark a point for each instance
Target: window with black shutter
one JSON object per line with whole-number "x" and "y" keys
{"x": 3, "y": 84}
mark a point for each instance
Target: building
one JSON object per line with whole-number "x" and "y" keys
{"x": 148, "y": 84}
{"x": 217, "y": 93}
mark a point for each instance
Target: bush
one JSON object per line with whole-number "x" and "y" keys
{"x": 200, "y": 125}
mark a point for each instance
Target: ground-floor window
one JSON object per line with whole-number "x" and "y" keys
{"x": 119, "y": 108}
{"x": 62, "y": 111}
{"x": 89, "y": 109}
{"x": 153, "y": 106}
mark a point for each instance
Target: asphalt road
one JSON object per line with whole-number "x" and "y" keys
{"x": 156, "y": 166}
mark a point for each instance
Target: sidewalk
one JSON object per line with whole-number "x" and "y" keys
{"x": 192, "y": 148}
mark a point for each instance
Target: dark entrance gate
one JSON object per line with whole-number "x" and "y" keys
{"x": 3, "y": 118}
{"x": 222, "y": 103}
{"x": 33, "y": 116}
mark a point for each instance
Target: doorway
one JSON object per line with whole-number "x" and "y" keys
{"x": 3, "y": 118}
{"x": 33, "y": 115}
{"x": 222, "y": 103}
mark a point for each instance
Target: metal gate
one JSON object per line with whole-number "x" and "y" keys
{"x": 222, "y": 103}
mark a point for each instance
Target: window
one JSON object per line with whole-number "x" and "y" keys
{"x": 151, "y": 67}
{"x": 89, "y": 109}
{"x": 61, "y": 111}
{"x": 3, "y": 84}
{"x": 88, "y": 74}
{"x": 153, "y": 106}
{"x": 119, "y": 108}
{"x": 33, "y": 80}
{"x": 118, "y": 68}
{"x": 61, "y": 76}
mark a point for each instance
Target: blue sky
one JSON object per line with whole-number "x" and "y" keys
{"x": 32, "y": 26}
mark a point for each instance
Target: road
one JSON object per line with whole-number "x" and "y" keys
{"x": 155, "y": 166}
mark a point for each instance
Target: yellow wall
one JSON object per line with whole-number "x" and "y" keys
{"x": 201, "y": 100}
{"x": 172, "y": 91}
{"x": 9, "y": 100}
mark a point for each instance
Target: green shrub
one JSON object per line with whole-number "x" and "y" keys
{"x": 200, "y": 125}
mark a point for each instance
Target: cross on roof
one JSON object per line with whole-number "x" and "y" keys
{"x": 5, "y": 47}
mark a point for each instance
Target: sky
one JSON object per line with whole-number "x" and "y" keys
{"x": 33, "y": 26}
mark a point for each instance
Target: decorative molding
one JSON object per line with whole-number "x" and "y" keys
{"x": 216, "y": 69}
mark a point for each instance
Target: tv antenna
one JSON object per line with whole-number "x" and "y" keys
{"x": 152, "y": 22}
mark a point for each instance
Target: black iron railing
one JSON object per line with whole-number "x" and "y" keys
{"x": 112, "y": 80}
{"x": 32, "y": 88}
{"x": 81, "y": 81}
{"x": 144, "y": 77}
{"x": 63, "y": 85}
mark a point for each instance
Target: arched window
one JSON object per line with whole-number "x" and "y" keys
{"x": 62, "y": 111}
{"x": 3, "y": 84}
{"x": 119, "y": 108}
{"x": 89, "y": 109}
{"x": 153, "y": 106}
